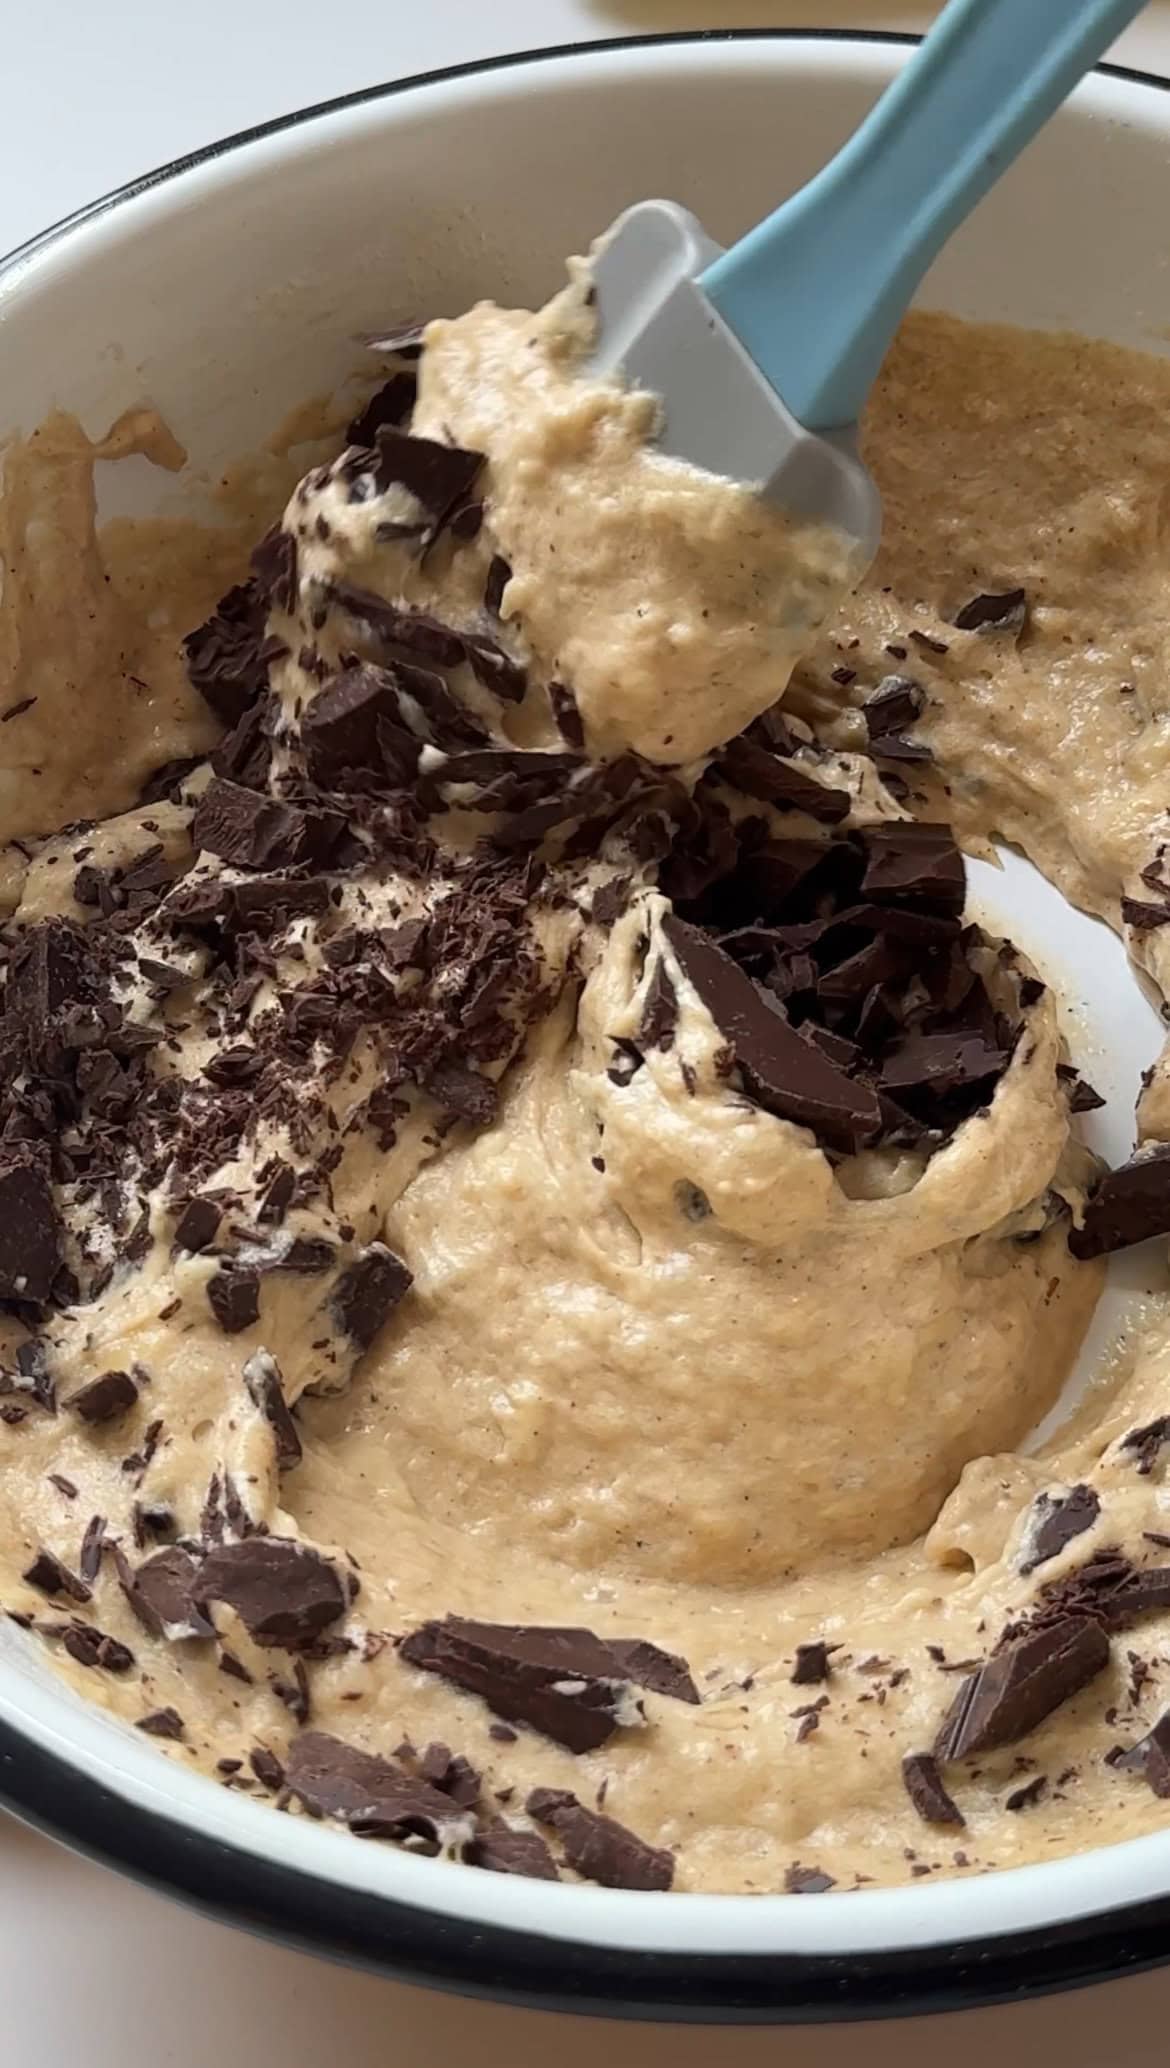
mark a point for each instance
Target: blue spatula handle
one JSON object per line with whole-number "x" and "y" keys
{"x": 817, "y": 290}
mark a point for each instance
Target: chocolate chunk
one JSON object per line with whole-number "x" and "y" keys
{"x": 161, "y": 1723}
{"x": 756, "y": 772}
{"x": 294, "y": 1693}
{"x": 660, "y": 1011}
{"x": 569, "y": 1683}
{"x": 228, "y": 657}
{"x": 944, "y": 1063}
{"x": 391, "y": 404}
{"x": 807, "y": 1881}
{"x": 785, "y": 1073}
{"x": 1147, "y": 1443}
{"x": 1003, "y": 610}
{"x": 464, "y": 1093}
{"x": 893, "y": 705}
{"x": 499, "y": 574}
{"x": 451, "y": 1773}
{"x": 244, "y": 755}
{"x": 494, "y": 669}
{"x": 345, "y": 727}
{"x": 569, "y": 721}
{"x": 266, "y": 1767}
{"x": 660, "y": 1672}
{"x": 925, "y": 1788}
{"x": 30, "y": 1232}
{"x": 1126, "y": 1206}
{"x": 812, "y": 1662}
{"x": 504, "y": 1851}
{"x": 1142, "y": 916}
{"x": 252, "y": 831}
{"x": 369, "y": 1794}
{"x": 233, "y": 1294}
{"x": 266, "y": 1391}
{"x": 89, "y": 1560}
{"x": 438, "y": 476}
{"x": 50, "y": 1575}
{"x": 1150, "y": 1757}
{"x": 1056, "y": 1520}
{"x": 104, "y": 1399}
{"x": 1025, "y": 1797}
{"x": 598, "y": 1848}
{"x": 274, "y": 563}
{"x": 161, "y": 1593}
{"x": 1013, "y": 1692}
{"x": 92, "y": 1647}
{"x": 915, "y": 862}
{"x": 284, "y": 1592}
{"x": 367, "y": 1291}
{"x": 412, "y": 629}
{"x": 197, "y": 1225}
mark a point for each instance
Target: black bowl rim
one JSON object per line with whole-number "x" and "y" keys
{"x": 462, "y": 1957}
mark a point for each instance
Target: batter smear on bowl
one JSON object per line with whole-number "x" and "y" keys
{"x": 533, "y": 1222}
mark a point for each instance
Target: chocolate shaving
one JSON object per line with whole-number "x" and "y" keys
{"x": 284, "y": 1592}
{"x": 660, "y": 1010}
{"x": 1013, "y": 1692}
{"x": 599, "y": 1848}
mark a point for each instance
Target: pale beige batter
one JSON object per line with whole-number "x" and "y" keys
{"x": 665, "y": 1369}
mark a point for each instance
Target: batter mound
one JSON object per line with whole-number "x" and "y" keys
{"x": 534, "y": 1226}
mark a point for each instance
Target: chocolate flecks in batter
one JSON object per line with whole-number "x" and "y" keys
{"x": 813, "y": 1662}
{"x": 925, "y": 1788}
{"x": 1127, "y": 1206}
{"x": 104, "y": 1399}
{"x": 162, "y": 1723}
{"x": 1150, "y": 1757}
{"x": 391, "y": 404}
{"x": 599, "y": 1848}
{"x": 1055, "y": 1520}
{"x": 807, "y": 1881}
{"x": 1022, "y": 1684}
{"x": 284, "y": 1592}
{"x": 568, "y": 1683}
{"x": 50, "y": 1575}
{"x": 1004, "y": 610}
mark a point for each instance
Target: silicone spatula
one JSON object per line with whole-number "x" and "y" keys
{"x": 764, "y": 354}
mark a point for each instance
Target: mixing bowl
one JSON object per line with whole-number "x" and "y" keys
{"x": 229, "y": 287}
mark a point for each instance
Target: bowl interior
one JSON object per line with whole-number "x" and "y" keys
{"x": 230, "y": 292}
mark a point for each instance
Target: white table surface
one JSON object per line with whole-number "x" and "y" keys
{"x": 94, "y": 1971}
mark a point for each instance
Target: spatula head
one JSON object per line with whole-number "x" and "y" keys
{"x": 657, "y": 327}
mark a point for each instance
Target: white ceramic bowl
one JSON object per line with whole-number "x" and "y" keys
{"x": 229, "y": 287}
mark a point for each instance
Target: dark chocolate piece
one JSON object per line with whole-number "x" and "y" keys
{"x": 812, "y": 1662}
{"x": 233, "y": 1294}
{"x": 660, "y": 1010}
{"x": 1127, "y": 1206}
{"x": 504, "y": 1851}
{"x": 284, "y": 1592}
{"x": 599, "y": 1848}
{"x": 1150, "y": 1757}
{"x": 757, "y": 772}
{"x": 161, "y": 1723}
{"x": 161, "y": 1593}
{"x": 1002, "y": 610}
{"x": 806, "y": 1881}
{"x": 197, "y": 1225}
{"x": 390, "y": 404}
{"x": 92, "y": 1647}
{"x": 912, "y": 861}
{"x": 784, "y": 1073}
{"x": 369, "y": 1794}
{"x": 1056, "y": 1520}
{"x": 253, "y": 831}
{"x": 104, "y": 1399}
{"x": 89, "y": 1559}
{"x": 228, "y": 656}
{"x": 30, "y": 1232}
{"x": 1014, "y": 1690}
{"x": 926, "y": 1791}
{"x": 50, "y": 1575}
{"x": 569, "y": 1683}
{"x": 265, "y": 1389}
{"x": 367, "y": 1291}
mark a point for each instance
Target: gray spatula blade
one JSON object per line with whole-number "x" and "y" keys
{"x": 657, "y": 327}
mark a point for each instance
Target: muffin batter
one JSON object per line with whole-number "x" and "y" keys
{"x": 531, "y": 1228}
